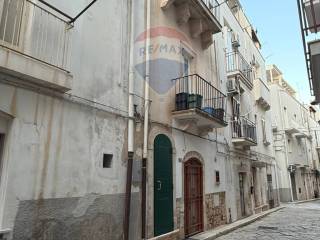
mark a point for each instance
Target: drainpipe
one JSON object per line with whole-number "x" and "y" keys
{"x": 146, "y": 123}
{"x": 126, "y": 223}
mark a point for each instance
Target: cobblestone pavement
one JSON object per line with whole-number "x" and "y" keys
{"x": 295, "y": 222}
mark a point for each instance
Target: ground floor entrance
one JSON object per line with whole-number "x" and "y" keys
{"x": 270, "y": 194}
{"x": 242, "y": 197}
{"x": 163, "y": 186}
{"x": 193, "y": 197}
{"x": 293, "y": 187}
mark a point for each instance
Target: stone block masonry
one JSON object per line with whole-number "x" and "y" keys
{"x": 216, "y": 210}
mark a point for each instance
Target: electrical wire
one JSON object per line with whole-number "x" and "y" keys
{"x": 71, "y": 97}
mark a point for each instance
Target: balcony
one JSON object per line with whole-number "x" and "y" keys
{"x": 262, "y": 94}
{"x": 239, "y": 68}
{"x": 34, "y": 45}
{"x": 244, "y": 132}
{"x": 201, "y": 15}
{"x": 292, "y": 127}
{"x": 312, "y": 13}
{"x": 198, "y": 103}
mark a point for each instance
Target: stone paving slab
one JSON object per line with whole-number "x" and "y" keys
{"x": 304, "y": 201}
{"x": 213, "y": 234}
{"x": 294, "y": 222}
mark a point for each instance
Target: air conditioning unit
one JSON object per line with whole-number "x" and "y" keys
{"x": 312, "y": 13}
{"x": 233, "y": 86}
{"x": 235, "y": 41}
{"x": 314, "y": 49}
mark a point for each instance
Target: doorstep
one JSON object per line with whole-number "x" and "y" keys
{"x": 213, "y": 234}
{"x": 168, "y": 236}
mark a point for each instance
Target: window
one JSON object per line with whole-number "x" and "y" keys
{"x": 264, "y": 133}
{"x": 235, "y": 109}
{"x": 217, "y": 177}
{"x": 286, "y": 120}
{"x": 289, "y": 146}
{"x": 186, "y": 66}
{"x": 11, "y": 18}
{"x": 107, "y": 160}
{"x": 269, "y": 177}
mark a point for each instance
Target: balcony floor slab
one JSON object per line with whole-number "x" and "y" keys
{"x": 201, "y": 118}
{"x": 31, "y": 71}
{"x": 243, "y": 142}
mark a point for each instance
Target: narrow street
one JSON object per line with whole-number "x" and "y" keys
{"x": 296, "y": 222}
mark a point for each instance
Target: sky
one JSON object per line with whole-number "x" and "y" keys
{"x": 277, "y": 22}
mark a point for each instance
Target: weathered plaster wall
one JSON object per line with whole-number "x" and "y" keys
{"x": 54, "y": 179}
{"x": 90, "y": 217}
{"x": 55, "y": 152}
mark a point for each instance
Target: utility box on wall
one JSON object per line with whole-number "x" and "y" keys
{"x": 314, "y": 49}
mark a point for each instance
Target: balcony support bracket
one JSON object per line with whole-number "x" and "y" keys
{"x": 183, "y": 13}
{"x": 206, "y": 39}
{"x": 196, "y": 27}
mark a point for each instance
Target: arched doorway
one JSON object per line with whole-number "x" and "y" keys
{"x": 163, "y": 185}
{"x": 193, "y": 197}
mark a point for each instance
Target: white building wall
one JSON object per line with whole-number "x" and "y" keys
{"x": 293, "y": 152}
{"x": 55, "y": 142}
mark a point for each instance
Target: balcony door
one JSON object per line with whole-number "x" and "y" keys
{"x": 186, "y": 71}
{"x": 186, "y": 65}
{"x": 10, "y": 21}
{"x": 236, "y": 123}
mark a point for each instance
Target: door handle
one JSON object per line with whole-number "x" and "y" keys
{"x": 159, "y": 185}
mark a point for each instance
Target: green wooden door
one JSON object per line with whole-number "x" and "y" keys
{"x": 163, "y": 186}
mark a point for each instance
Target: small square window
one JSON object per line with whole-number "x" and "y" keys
{"x": 107, "y": 160}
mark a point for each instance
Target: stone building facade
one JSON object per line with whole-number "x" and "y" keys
{"x": 63, "y": 118}
{"x": 295, "y": 133}
{"x": 179, "y": 85}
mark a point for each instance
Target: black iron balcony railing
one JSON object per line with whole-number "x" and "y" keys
{"x": 244, "y": 128}
{"x": 236, "y": 62}
{"x": 213, "y": 6}
{"x": 194, "y": 92}
{"x": 37, "y": 31}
